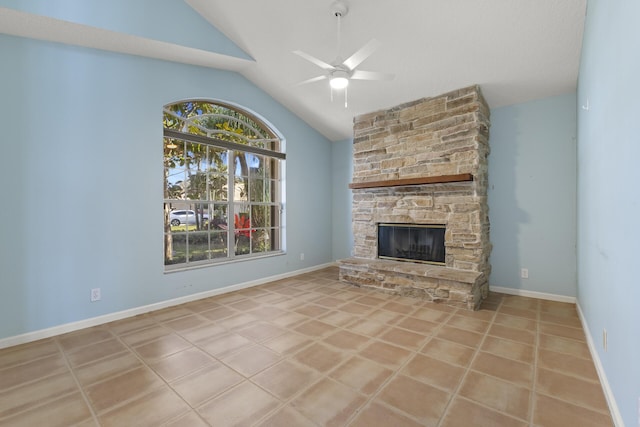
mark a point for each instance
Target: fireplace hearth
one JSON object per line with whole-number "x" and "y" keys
{"x": 416, "y": 165}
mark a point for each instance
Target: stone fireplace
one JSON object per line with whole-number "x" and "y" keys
{"x": 423, "y": 163}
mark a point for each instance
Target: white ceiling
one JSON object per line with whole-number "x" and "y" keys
{"x": 516, "y": 50}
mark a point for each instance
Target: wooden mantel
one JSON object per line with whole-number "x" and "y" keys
{"x": 412, "y": 181}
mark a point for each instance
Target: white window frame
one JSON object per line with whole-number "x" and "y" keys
{"x": 262, "y": 136}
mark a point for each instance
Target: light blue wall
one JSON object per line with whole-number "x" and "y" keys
{"x": 169, "y": 21}
{"x": 82, "y": 183}
{"x": 341, "y": 176}
{"x": 608, "y": 193}
{"x": 532, "y": 195}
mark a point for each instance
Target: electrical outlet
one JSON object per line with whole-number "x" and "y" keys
{"x": 604, "y": 339}
{"x": 95, "y": 294}
{"x": 301, "y": 256}
{"x": 524, "y": 273}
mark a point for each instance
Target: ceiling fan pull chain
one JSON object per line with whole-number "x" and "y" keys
{"x": 345, "y": 97}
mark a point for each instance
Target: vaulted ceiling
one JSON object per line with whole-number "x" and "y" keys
{"x": 516, "y": 50}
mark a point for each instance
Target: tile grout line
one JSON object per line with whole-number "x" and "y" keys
{"x": 581, "y": 405}
{"x": 214, "y": 359}
{"x": 282, "y": 402}
{"x": 220, "y": 361}
{"x": 397, "y": 371}
{"x": 87, "y": 402}
{"x": 455, "y": 392}
{"x": 192, "y": 408}
{"x": 350, "y": 353}
{"x": 290, "y": 358}
{"x": 371, "y": 398}
{"x": 46, "y": 377}
{"x": 146, "y": 365}
{"x": 322, "y": 375}
{"x": 354, "y": 353}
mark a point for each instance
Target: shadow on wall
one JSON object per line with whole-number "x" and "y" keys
{"x": 505, "y": 215}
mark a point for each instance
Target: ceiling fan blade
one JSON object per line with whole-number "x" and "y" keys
{"x": 314, "y": 79}
{"x": 354, "y": 60}
{"x": 371, "y": 75}
{"x": 320, "y": 63}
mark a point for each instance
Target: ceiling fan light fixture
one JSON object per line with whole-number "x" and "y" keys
{"x": 339, "y": 79}
{"x": 339, "y": 82}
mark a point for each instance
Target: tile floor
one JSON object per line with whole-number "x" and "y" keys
{"x": 311, "y": 351}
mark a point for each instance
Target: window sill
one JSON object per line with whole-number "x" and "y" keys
{"x": 211, "y": 263}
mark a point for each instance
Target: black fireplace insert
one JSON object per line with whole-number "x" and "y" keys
{"x": 412, "y": 242}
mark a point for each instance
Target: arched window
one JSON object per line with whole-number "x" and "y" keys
{"x": 222, "y": 185}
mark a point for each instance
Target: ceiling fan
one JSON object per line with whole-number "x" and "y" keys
{"x": 340, "y": 72}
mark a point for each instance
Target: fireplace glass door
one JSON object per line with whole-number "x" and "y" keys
{"x": 412, "y": 242}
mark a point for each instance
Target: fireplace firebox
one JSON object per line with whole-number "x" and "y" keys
{"x": 412, "y": 242}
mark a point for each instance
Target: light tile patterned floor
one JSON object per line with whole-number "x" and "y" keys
{"x": 311, "y": 351}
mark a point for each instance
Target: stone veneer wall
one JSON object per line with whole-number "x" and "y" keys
{"x": 430, "y": 137}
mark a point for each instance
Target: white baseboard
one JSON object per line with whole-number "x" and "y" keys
{"x": 99, "y": 320}
{"x": 608, "y": 394}
{"x": 532, "y": 294}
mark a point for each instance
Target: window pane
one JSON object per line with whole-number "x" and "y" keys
{"x": 241, "y": 189}
{"x": 201, "y": 216}
{"x": 218, "y": 217}
{"x": 274, "y": 216}
{"x": 241, "y": 164}
{"x": 174, "y": 169}
{"x": 195, "y": 170}
{"x": 243, "y": 244}
{"x": 217, "y": 160}
{"x": 218, "y": 244}
{"x": 196, "y": 185}
{"x": 257, "y": 193}
{"x": 274, "y": 191}
{"x": 260, "y": 216}
{"x": 175, "y": 248}
{"x": 198, "y": 246}
{"x": 173, "y": 151}
{"x": 262, "y": 241}
{"x": 173, "y": 184}
{"x": 217, "y": 187}
{"x": 271, "y": 168}
{"x": 242, "y": 220}
{"x": 195, "y": 155}
{"x": 256, "y": 165}
{"x": 243, "y": 231}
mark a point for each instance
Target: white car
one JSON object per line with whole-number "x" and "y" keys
{"x": 185, "y": 217}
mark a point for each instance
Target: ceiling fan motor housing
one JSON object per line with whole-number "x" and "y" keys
{"x": 340, "y": 73}
{"x": 339, "y": 8}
